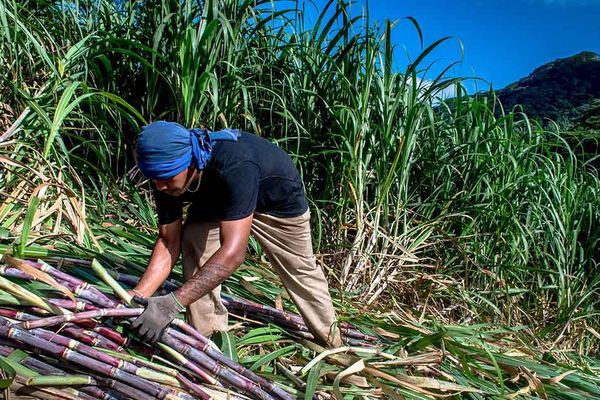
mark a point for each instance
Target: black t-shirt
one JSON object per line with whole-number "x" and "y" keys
{"x": 241, "y": 177}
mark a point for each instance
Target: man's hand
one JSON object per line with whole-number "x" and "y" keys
{"x": 159, "y": 313}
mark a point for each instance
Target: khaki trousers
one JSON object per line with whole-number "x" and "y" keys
{"x": 288, "y": 246}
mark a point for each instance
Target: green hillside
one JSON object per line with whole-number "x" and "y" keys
{"x": 566, "y": 90}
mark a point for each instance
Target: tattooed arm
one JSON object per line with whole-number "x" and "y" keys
{"x": 234, "y": 238}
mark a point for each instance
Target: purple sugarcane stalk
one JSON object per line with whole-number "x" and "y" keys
{"x": 194, "y": 388}
{"x": 90, "y": 293}
{"x": 10, "y": 272}
{"x": 196, "y": 369}
{"x": 233, "y": 378}
{"x": 61, "y": 319}
{"x": 71, "y": 305}
{"x": 41, "y": 313}
{"x": 112, "y": 335}
{"x": 55, "y": 273}
{"x": 96, "y": 366}
{"x": 111, "y": 338}
{"x": 91, "y": 338}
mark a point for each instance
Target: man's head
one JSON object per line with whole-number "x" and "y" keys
{"x": 167, "y": 153}
{"x": 178, "y": 184}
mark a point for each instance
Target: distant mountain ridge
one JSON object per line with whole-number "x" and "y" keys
{"x": 566, "y": 90}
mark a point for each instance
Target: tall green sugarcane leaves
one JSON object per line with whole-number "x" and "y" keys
{"x": 65, "y": 105}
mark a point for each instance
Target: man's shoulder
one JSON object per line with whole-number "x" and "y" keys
{"x": 248, "y": 147}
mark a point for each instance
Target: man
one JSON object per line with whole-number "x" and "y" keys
{"x": 236, "y": 184}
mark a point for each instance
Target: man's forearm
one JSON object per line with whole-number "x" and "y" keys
{"x": 216, "y": 270}
{"x": 161, "y": 262}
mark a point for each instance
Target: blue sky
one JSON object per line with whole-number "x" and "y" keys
{"x": 503, "y": 40}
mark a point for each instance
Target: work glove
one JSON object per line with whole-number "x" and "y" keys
{"x": 159, "y": 313}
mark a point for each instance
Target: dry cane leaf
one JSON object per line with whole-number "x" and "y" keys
{"x": 534, "y": 383}
{"x": 250, "y": 287}
{"x": 556, "y": 379}
{"x": 522, "y": 391}
{"x": 39, "y": 275}
{"x": 358, "y": 381}
{"x": 279, "y": 303}
{"x": 384, "y": 333}
{"x": 347, "y": 373}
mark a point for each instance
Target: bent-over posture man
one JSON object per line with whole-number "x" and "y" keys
{"x": 236, "y": 184}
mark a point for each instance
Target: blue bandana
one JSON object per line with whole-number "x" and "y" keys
{"x": 164, "y": 149}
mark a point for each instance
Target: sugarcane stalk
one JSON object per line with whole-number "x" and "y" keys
{"x": 61, "y": 319}
{"x": 117, "y": 363}
{"x": 39, "y": 275}
{"x": 56, "y": 273}
{"x": 47, "y": 393}
{"x": 141, "y": 363}
{"x": 110, "y": 281}
{"x": 94, "y": 329}
{"x": 43, "y": 368}
{"x": 11, "y": 272}
{"x": 82, "y": 348}
{"x": 60, "y": 380}
{"x": 72, "y": 305}
{"x": 112, "y": 335}
{"x": 68, "y": 380}
{"x": 183, "y": 361}
{"x": 195, "y": 388}
{"x": 91, "y": 338}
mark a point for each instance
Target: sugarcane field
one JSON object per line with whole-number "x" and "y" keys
{"x": 263, "y": 199}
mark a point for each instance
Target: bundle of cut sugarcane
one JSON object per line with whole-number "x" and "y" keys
{"x": 293, "y": 323}
{"x": 90, "y": 350}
